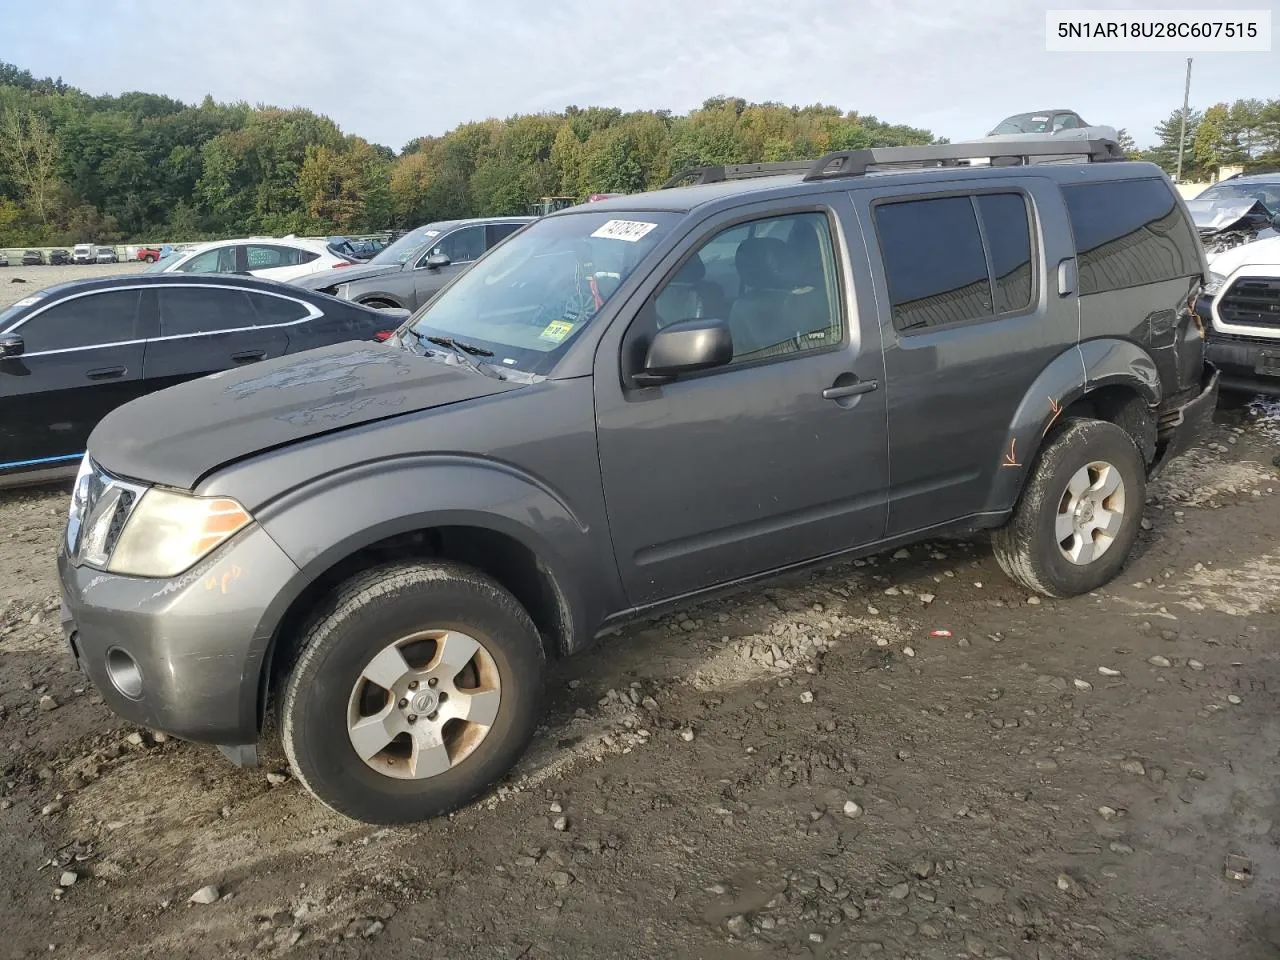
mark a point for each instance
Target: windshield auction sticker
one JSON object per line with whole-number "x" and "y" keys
{"x": 556, "y": 330}
{"x": 628, "y": 230}
{"x": 1158, "y": 31}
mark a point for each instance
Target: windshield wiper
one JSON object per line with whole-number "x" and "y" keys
{"x": 463, "y": 352}
{"x": 462, "y": 345}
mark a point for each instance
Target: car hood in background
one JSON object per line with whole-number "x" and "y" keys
{"x": 331, "y": 278}
{"x": 176, "y": 436}
{"x": 1214, "y": 216}
{"x": 1262, "y": 252}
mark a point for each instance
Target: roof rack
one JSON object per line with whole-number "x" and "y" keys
{"x": 858, "y": 163}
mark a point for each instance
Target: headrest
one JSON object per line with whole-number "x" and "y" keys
{"x": 693, "y": 271}
{"x": 761, "y": 263}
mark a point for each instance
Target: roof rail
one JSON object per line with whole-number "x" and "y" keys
{"x": 736, "y": 171}
{"x": 857, "y": 163}
{"x": 1000, "y": 153}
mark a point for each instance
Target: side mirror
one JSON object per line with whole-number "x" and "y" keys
{"x": 10, "y": 346}
{"x": 686, "y": 347}
{"x": 1275, "y": 222}
{"x": 438, "y": 260}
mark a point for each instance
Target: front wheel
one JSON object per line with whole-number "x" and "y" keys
{"x": 1079, "y": 514}
{"x": 417, "y": 687}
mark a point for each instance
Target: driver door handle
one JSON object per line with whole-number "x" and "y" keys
{"x": 850, "y": 389}
{"x": 248, "y": 356}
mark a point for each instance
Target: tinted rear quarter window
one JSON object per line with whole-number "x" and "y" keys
{"x": 1129, "y": 233}
{"x": 188, "y": 310}
{"x": 92, "y": 320}
{"x": 274, "y": 310}
{"x": 1008, "y": 232}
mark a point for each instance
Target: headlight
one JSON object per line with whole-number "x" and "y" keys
{"x": 168, "y": 532}
{"x": 1216, "y": 280}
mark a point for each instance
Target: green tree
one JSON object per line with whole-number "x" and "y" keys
{"x": 29, "y": 150}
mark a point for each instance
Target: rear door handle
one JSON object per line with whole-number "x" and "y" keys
{"x": 850, "y": 389}
{"x": 248, "y": 356}
{"x": 105, "y": 373}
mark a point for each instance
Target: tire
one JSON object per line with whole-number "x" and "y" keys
{"x": 1028, "y": 548}
{"x": 326, "y": 693}
{"x": 377, "y": 303}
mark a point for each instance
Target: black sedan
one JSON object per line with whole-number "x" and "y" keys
{"x": 59, "y": 257}
{"x": 71, "y": 353}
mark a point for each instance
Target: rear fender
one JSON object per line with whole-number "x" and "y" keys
{"x": 1071, "y": 375}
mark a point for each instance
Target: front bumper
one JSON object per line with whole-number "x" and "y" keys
{"x": 1252, "y": 366}
{"x": 198, "y": 641}
{"x": 1181, "y": 426}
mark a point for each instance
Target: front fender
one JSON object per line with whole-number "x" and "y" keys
{"x": 333, "y": 517}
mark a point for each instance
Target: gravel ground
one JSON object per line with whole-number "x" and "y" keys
{"x": 18, "y": 281}
{"x": 807, "y": 770}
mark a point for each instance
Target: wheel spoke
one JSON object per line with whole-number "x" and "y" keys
{"x": 480, "y": 706}
{"x": 386, "y": 669}
{"x": 453, "y": 652}
{"x": 429, "y": 757}
{"x": 372, "y": 735}
{"x": 1078, "y": 484}
{"x": 1081, "y": 549}
{"x": 1064, "y": 526}
{"x": 1108, "y": 521}
{"x": 1108, "y": 482}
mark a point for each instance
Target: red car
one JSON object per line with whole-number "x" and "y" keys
{"x": 149, "y": 254}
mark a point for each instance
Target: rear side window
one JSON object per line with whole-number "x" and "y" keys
{"x": 497, "y": 232}
{"x": 89, "y": 321}
{"x": 934, "y": 262}
{"x": 190, "y": 310}
{"x": 275, "y": 310}
{"x": 956, "y": 259}
{"x": 218, "y": 260}
{"x": 1129, "y": 233}
{"x": 264, "y": 257}
{"x": 1008, "y": 233}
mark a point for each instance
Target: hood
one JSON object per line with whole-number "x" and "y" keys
{"x": 176, "y": 436}
{"x": 1259, "y": 253}
{"x": 337, "y": 275}
{"x": 1214, "y": 216}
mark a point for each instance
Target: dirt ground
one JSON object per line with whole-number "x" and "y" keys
{"x": 803, "y": 770}
{"x": 17, "y": 281}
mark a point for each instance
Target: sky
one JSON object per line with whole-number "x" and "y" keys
{"x": 391, "y": 72}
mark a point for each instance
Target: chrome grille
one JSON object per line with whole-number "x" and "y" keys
{"x": 1251, "y": 301}
{"x": 100, "y": 508}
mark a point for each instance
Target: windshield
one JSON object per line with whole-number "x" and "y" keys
{"x": 1024, "y": 123}
{"x": 529, "y": 298}
{"x": 163, "y": 264}
{"x": 1268, "y": 194}
{"x": 404, "y": 248}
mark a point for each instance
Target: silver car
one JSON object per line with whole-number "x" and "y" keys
{"x": 412, "y": 270}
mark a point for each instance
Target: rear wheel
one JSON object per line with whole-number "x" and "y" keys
{"x": 378, "y": 304}
{"x": 1079, "y": 514}
{"x": 418, "y": 687}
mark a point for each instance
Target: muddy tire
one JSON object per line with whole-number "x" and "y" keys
{"x": 1079, "y": 513}
{"x": 418, "y": 686}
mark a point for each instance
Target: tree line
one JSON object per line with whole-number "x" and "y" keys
{"x": 147, "y": 167}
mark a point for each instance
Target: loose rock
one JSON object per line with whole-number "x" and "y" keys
{"x": 206, "y": 895}
{"x": 1134, "y": 767}
{"x": 1159, "y": 661}
{"x": 47, "y": 703}
{"x": 1108, "y": 672}
{"x": 68, "y": 878}
{"x": 852, "y": 809}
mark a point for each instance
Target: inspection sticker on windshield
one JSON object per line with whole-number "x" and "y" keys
{"x": 556, "y": 330}
{"x": 628, "y": 230}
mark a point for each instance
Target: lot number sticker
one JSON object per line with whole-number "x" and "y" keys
{"x": 628, "y": 230}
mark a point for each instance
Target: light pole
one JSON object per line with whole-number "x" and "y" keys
{"x": 1182, "y": 133}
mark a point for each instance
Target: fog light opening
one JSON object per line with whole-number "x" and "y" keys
{"x": 124, "y": 673}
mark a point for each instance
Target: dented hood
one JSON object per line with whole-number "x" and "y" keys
{"x": 1215, "y": 216}
{"x": 176, "y": 436}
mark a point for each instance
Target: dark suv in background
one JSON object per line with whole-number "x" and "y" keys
{"x": 418, "y": 265}
{"x": 628, "y": 405}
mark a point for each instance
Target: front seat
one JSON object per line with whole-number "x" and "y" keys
{"x": 758, "y": 318}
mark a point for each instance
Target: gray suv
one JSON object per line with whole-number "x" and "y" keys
{"x": 623, "y": 408}
{"x": 411, "y": 271}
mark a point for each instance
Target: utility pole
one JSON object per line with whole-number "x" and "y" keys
{"x": 1182, "y": 135}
